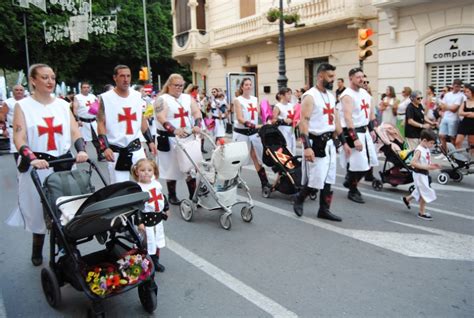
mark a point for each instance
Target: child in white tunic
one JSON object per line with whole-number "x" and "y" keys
{"x": 283, "y": 115}
{"x": 421, "y": 163}
{"x": 145, "y": 172}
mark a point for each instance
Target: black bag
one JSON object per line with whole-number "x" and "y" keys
{"x": 319, "y": 146}
{"x": 228, "y": 128}
{"x": 163, "y": 143}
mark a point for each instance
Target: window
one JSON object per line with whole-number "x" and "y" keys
{"x": 183, "y": 16}
{"x": 311, "y": 67}
{"x": 247, "y": 8}
{"x": 201, "y": 15}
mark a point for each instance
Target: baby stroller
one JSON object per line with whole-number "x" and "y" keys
{"x": 460, "y": 161}
{"x": 282, "y": 162}
{"x": 75, "y": 214}
{"x": 396, "y": 169}
{"x": 217, "y": 180}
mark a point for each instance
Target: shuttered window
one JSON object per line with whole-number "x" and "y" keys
{"x": 247, "y": 8}
{"x": 443, "y": 74}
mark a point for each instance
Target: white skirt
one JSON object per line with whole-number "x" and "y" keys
{"x": 287, "y": 132}
{"x": 29, "y": 213}
{"x": 254, "y": 141}
{"x": 155, "y": 237}
{"x": 168, "y": 163}
{"x": 321, "y": 170}
{"x": 121, "y": 176}
{"x": 361, "y": 160}
{"x": 86, "y": 130}
{"x": 422, "y": 188}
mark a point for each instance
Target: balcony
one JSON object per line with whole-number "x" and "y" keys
{"x": 318, "y": 14}
{"x": 191, "y": 45}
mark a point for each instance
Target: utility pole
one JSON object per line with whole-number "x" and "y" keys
{"x": 146, "y": 43}
{"x": 282, "y": 79}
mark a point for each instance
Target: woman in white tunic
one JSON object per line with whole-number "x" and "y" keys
{"x": 43, "y": 128}
{"x": 283, "y": 114}
{"x": 246, "y": 126}
{"x": 219, "y": 114}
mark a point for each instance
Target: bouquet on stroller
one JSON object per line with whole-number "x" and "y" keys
{"x": 396, "y": 168}
{"x": 75, "y": 213}
{"x": 217, "y": 179}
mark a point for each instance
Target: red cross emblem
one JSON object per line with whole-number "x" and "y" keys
{"x": 252, "y": 110}
{"x": 128, "y": 117}
{"x": 364, "y": 106}
{"x": 155, "y": 198}
{"x": 181, "y": 114}
{"x": 283, "y": 158}
{"x": 290, "y": 115}
{"x": 88, "y": 103}
{"x": 330, "y": 112}
{"x": 50, "y": 129}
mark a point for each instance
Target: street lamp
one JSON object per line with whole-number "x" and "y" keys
{"x": 282, "y": 79}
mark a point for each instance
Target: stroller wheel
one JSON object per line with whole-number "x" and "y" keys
{"x": 266, "y": 192}
{"x": 456, "y": 176}
{"x": 246, "y": 214}
{"x": 411, "y": 188}
{"x": 225, "y": 221}
{"x": 443, "y": 178}
{"x": 147, "y": 292}
{"x": 50, "y": 285}
{"x": 313, "y": 195}
{"x": 186, "y": 208}
{"x": 377, "y": 185}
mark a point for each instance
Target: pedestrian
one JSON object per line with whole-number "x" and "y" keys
{"x": 219, "y": 111}
{"x": 318, "y": 125}
{"x": 122, "y": 126}
{"x": 283, "y": 116}
{"x": 247, "y": 110}
{"x": 388, "y": 106}
{"x": 178, "y": 116}
{"x": 416, "y": 120}
{"x": 44, "y": 130}
{"x": 145, "y": 173}
{"x": 340, "y": 88}
{"x": 86, "y": 117}
{"x": 450, "y": 105}
{"x": 421, "y": 163}
{"x": 401, "y": 110}
{"x": 8, "y": 110}
{"x": 359, "y": 116}
{"x": 466, "y": 126}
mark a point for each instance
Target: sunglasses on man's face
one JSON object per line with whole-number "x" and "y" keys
{"x": 419, "y": 98}
{"x": 366, "y": 82}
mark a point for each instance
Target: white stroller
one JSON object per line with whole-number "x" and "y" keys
{"x": 217, "y": 180}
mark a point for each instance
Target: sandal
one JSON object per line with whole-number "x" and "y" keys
{"x": 407, "y": 203}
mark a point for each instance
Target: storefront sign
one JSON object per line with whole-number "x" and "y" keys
{"x": 451, "y": 48}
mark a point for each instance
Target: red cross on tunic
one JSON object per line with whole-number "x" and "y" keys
{"x": 290, "y": 115}
{"x": 181, "y": 114}
{"x": 155, "y": 198}
{"x": 128, "y": 117}
{"x": 252, "y": 110}
{"x": 50, "y": 129}
{"x": 88, "y": 103}
{"x": 330, "y": 112}
{"x": 364, "y": 106}
{"x": 428, "y": 157}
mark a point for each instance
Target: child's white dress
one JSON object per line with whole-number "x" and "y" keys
{"x": 422, "y": 184}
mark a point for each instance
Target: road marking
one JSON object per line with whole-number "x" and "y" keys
{"x": 442, "y": 245}
{"x": 3, "y": 312}
{"x": 260, "y": 300}
{"x": 272, "y": 175}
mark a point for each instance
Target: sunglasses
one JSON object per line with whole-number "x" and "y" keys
{"x": 367, "y": 82}
{"x": 419, "y": 98}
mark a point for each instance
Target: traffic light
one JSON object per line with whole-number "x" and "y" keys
{"x": 143, "y": 74}
{"x": 365, "y": 43}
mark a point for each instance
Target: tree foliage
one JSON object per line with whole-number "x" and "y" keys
{"x": 91, "y": 60}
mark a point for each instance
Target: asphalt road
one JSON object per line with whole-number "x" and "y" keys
{"x": 381, "y": 261}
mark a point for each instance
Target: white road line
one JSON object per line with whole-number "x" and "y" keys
{"x": 260, "y": 300}
{"x": 3, "y": 312}
{"x": 399, "y": 202}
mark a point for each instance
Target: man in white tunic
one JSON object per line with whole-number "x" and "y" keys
{"x": 178, "y": 115}
{"x": 8, "y": 110}
{"x": 359, "y": 116}
{"x": 318, "y": 127}
{"x": 121, "y": 126}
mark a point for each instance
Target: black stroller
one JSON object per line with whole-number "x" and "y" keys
{"x": 277, "y": 156}
{"x": 75, "y": 214}
{"x": 460, "y": 161}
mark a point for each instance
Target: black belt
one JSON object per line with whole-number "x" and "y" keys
{"x": 23, "y": 166}
{"x": 285, "y": 124}
{"x": 319, "y": 143}
{"x": 124, "y": 160}
{"x": 246, "y": 131}
{"x": 217, "y": 117}
{"x": 165, "y": 133}
{"x": 87, "y": 120}
{"x": 362, "y": 129}
{"x": 422, "y": 171}
{"x": 324, "y": 137}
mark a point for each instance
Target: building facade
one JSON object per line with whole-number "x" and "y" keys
{"x": 416, "y": 42}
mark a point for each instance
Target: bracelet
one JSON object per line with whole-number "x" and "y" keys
{"x": 80, "y": 144}
{"x": 305, "y": 141}
{"x": 352, "y": 134}
{"x": 250, "y": 125}
{"x": 197, "y": 122}
{"x": 103, "y": 142}
{"x": 168, "y": 127}
{"x": 371, "y": 125}
{"x": 148, "y": 137}
{"x": 342, "y": 138}
{"x": 27, "y": 154}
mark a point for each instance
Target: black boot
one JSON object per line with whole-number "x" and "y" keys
{"x": 156, "y": 262}
{"x": 263, "y": 178}
{"x": 325, "y": 200}
{"x": 299, "y": 200}
{"x": 354, "y": 194}
{"x": 369, "y": 176}
{"x": 37, "y": 254}
{"x": 191, "y": 187}
{"x": 172, "y": 199}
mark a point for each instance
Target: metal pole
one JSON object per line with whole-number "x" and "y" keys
{"x": 361, "y": 64}
{"x": 146, "y": 43}
{"x": 26, "y": 47}
{"x": 282, "y": 79}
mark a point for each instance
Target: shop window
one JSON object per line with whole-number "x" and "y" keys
{"x": 443, "y": 74}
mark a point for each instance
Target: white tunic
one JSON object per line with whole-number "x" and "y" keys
{"x": 123, "y": 125}
{"x": 421, "y": 181}
{"x": 48, "y": 129}
{"x": 11, "y": 102}
{"x": 84, "y": 102}
{"x": 219, "y": 129}
{"x": 179, "y": 115}
{"x": 287, "y": 111}
{"x": 155, "y": 235}
{"x": 360, "y": 160}
{"x": 322, "y": 120}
